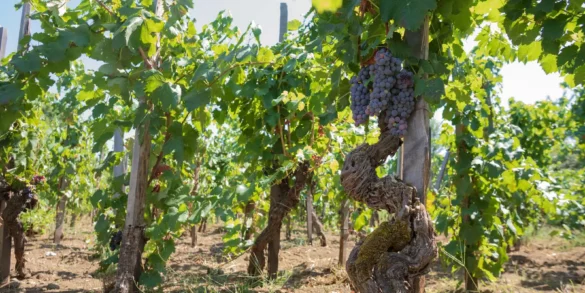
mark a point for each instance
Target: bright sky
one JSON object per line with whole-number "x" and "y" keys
{"x": 526, "y": 83}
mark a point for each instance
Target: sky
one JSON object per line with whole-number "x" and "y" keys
{"x": 524, "y": 82}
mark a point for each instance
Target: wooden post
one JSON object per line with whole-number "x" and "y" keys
{"x": 120, "y": 169}
{"x": 24, "y": 24}
{"x": 60, "y": 214}
{"x": 310, "y": 213}
{"x": 283, "y": 21}
{"x": 344, "y": 235}
{"x": 442, "y": 171}
{"x": 133, "y": 241}
{"x": 416, "y": 161}
{"x": 3, "y": 40}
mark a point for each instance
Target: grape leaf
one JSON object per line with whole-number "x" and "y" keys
{"x": 169, "y": 95}
{"x": 549, "y": 63}
{"x": 327, "y": 5}
{"x": 293, "y": 25}
{"x": 10, "y": 92}
{"x": 553, "y": 29}
{"x": 408, "y": 13}
{"x": 580, "y": 75}
{"x": 197, "y": 98}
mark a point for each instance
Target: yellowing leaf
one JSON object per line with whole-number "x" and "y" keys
{"x": 301, "y": 106}
{"x": 265, "y": 55}
{"x": 218, "y": 49}
{"x": 334, "y": 165}
{"x": 327, "y": 5}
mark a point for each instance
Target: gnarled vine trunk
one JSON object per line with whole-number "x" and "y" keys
{"x": 249, "y": 214}
{"x": 282, "y": 199}
{"x": 318, "y": 227}
{"x": 15, "y": 203}
{"x": 60, "y": 213}
{"x": 401, "y": 249}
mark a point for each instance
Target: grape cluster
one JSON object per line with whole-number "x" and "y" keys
{"x": 360, "y": 95}
{"x": 116, "y": 240}
{"x": 384, "y": 71}
{"x": 392, "y": 90}
{"x": 402, "y": 103}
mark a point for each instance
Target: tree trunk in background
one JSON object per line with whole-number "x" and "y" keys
{"x": 73, "y": 220}
{"x": 344, "y": 235}
{"x": 203, "y": 225}
{"x": 273, "y": 250}
{"x": 6, "y": 252}
{"x": 60, "y": 214}
{"x": 282, "y": 199}
{"x": 249, "y": 216}
{"x": 318, "y": 227}
{"x": 193, "y": 230}
{"x": 288, "y": 230}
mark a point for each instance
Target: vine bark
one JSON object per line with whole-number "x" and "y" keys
{"x": 399, "y": 251}
{"x": 283, "y": 198}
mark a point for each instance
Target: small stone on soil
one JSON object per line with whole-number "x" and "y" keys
{"x": 53, "y": 286}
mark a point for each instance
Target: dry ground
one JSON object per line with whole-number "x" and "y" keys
{"x": 544, "y": 264}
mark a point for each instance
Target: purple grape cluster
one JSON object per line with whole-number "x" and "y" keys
{"x": 392, "y": 90}
{"x": 116, "y": 240}
{"x": 402, "y": 103}
{"x": 384, "y": 71}
{"x": 360, "y": 95}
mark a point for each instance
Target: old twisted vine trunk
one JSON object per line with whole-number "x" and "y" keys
{"x": 283, "y": 198}
{"x": 16, "y": 200}
{"x": 400, "y": 250}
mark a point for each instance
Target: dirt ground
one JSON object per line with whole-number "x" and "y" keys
{"x": 542, "y": 265}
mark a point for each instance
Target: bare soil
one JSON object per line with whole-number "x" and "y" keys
{"x": 542, "y": 265}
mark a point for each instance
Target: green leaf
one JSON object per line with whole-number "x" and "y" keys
{"x": 239, "y": 76}
{"x": 431, "y": 89}
{"x": 529, "y": 52}
{"x": 10, "y": 92}
{"x": 150, "y": 279}
{"x": 407, "y": 13}
{"x": 169, "y": 95}
{"x": 27, "y": 63}
{"x": 197, "y": 98}
{"x": 108, "y": 69}
{"x": 553, "y": 29}
{"x": 580, "y": 75}
{"x": 131, "y": 26}
{"x": 153, "y": 81}
{"x": 549, "y": 63}
{"x": 175, "y": 146}
{"x": 567, "y": 54}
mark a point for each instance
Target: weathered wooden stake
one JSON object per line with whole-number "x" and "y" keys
{"x": 415, "y": 152}
{"x": 3, "y": 40}
{"x": 344, "y": 235}
{"x": 133, "y": 241}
